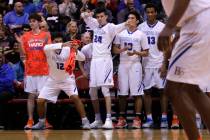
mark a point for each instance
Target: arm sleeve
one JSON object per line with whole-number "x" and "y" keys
{"x": 117, "y": 40}
{"x": 80, "y": 56}
{"x": 90, "y": 21}
{"x": 117, "y": 28}
{"x": 144, "y": 44}
{"x": 55, "y": 46}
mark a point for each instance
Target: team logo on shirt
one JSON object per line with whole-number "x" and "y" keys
{"x": 179, "y": 71}
{"x": 36, "y": 44}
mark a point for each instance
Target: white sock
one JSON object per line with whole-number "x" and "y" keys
{"x": 42, "y": 120}
{"x": 149, "y": 116}
{"x": 84, "y": 120}
{"x": 108, "y": 116}
{"x": 198, "y": 116}
{"x": 164, "y": 116}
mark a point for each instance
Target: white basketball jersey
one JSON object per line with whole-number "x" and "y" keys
{"x": 155, "y": 58}
{"x": 136, "y": 40}
{"x": 87, "y": 51}
{"x": 56, "y": 58}
{"x": 194, "y": 7}
{"x": 103, "y": 36}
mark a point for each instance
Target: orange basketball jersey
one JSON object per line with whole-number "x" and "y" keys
{"x": 33, "y": 44}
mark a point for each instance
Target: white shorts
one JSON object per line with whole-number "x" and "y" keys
{"x": 190, "y": 61}
{"x": 34, "y": 84}
{"x": 130, "y": 77}
{"x": 52, "y": 88}
{"x": 101, "y": 72}
{"x": 152, "y": 78}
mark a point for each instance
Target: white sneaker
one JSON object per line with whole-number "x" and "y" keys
{"x": 108, "y": 124}
{"x": 38, "y": 126}
{"x": 86, "y": 125}
{"x": 148, "y": 123}
{"x": 96, "y": 124}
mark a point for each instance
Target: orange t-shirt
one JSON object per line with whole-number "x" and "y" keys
{"x": 36, "y": 62}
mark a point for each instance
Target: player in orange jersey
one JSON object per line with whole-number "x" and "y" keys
{"x": 36, "y": 67}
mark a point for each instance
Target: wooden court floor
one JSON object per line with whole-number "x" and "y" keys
{"x": 146, "y": 134}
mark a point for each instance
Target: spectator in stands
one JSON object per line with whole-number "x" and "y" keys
{"x": 1, "y": 20}
{"x": 7, "y": 77}
{"x": 53, "y": 19}
{"x": 16, "y": 18}
{"x": 29, "y": 7}
{"x": 6, "y": 40}
{"x": 17, "y": 64}
{"x": 4, "y": 6}
{"x": 67, "y": 8}
{"x": 72, "y": 31}
{"x": 86, "y": 38}
{"x": 122, "y": 14}
{"x": 44, "y": 26}
{"x": 44, "y": 6}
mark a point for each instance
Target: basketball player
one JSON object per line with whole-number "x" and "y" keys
{"x": 36, "y": 67}
{"x": 152, "y": 65}
{"x": 189, "y": 65}
{"x": 101, "y": 71}
{"x": 59, "y": 79}
{"x": 131, "y": 44}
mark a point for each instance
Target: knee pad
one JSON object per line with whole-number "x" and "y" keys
{"x": 93, "y": 93}
{"x": 105, "y": 91}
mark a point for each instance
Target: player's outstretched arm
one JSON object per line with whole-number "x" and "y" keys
{"x": 89, "y": 20}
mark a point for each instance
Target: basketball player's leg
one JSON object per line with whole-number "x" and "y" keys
{"x": 31, "y": 89}
{"x": 178, "y": 94}
{"x": 201, "y": 103}
{"x": 123, "y": 89}
{"x": 148, "y": 82}
{"x": 69, "y": 87}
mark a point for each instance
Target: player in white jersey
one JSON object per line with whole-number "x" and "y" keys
{"x": 189, "y": 65}
{"x": 101, "y": 71}
{"x": 131, "y": 44}
{"x": 57, "y": 55}
{"x": 152, "y": 65}
{"x": 87, "y": 51}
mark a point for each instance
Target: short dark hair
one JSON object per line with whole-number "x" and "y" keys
{"x": 101, "y": 10}
{"x": 35, "y": 16}
{"x": 151, "y": 5}
{"x": 135, "y": 13}
{"x": 55, "y": 35}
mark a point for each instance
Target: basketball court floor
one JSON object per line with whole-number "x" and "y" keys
{"x": 145, "y": 134}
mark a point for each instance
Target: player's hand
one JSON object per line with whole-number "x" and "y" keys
{"x": 128, "y": 22}
{"x": 124, "y": 49}
{"x": 85, "y": 74}
{"x": 164, "y": 39}
{"x": 130, "y": 53}
{"x": 163, "y": 71}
